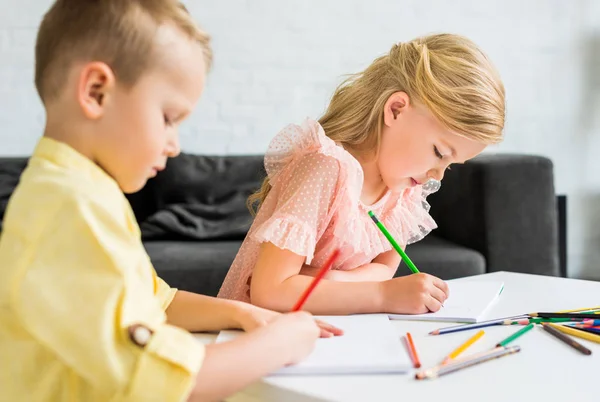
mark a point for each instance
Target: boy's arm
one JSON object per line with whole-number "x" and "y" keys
{"x": 196, "y": 313}
{"x": 200, "y": 313}
{"x": 231, "y": 366}
{"x": 82, "y": 296}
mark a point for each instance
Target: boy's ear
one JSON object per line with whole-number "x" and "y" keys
{"x": 96, "y": 83}
{"x": 396, "y": 104}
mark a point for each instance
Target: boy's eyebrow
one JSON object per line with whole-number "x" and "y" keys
{"x": 185, "y": 112}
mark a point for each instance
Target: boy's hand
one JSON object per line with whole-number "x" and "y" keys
{"x": 413, "y": 294}
{"x": 250, "y": 317}
{"x": 328, "y": 330}
{"x": 298, "y": 332}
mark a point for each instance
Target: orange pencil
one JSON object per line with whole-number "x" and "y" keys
{"x": 328, "y": 264}
{"x": 413, "y": 350}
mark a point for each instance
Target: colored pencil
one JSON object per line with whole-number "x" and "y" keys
{"x": 588, "y": 327}
{"x": 413, "y": 350}
{"x": 515, "y": 335}
{"x": 583, "y": 326}
{"x": 581, "y": 310}
{"x": 464, "y": 358}
{"x": 573, "y": 316}
{"x": 526, "y": 321}
{"x": 585, "y": 323}
{"x": 595, "y": 330}
{"x": 477, "y": 325}
{"x": 394, "y": 243}
{"x": 328, "y": 264}
{"x": 467, "y": 362}
{"x": 576, "y": 332}
{"x": 516, "y": 320}
{"x": 571, "y": 342}
{"x": 463, "y": 347}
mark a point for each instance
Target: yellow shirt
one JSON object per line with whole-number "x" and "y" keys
{"x": 75, "y": 280}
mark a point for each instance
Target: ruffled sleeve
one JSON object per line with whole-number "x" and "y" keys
{"x": 410, "y": 220}
{"x": 295, "y": 141}
{"x": 304, "y": 175}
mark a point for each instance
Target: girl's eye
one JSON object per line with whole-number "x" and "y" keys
{"x": 167, "y": 121}
{"x": 437, "y": 152}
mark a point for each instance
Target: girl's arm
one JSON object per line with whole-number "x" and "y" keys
{"x": 277, "y": 284}
{"x": 303, "y": 204}
{"x": 382, "y": 268}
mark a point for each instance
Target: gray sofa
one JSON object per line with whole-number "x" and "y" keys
{"x": 495, "y": 213}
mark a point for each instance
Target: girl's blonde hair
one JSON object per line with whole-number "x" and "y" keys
{"x": 446, "y": 73}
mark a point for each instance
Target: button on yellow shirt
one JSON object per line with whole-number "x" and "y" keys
{"x": 74, "y": 278}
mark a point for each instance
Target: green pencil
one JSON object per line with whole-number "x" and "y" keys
{"x": 395, "y": 244}
{"x": 515, "y": 335}
{"x": 526, "y": 321}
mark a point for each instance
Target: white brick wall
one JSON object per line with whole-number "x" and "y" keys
{"x": 279, "y": 61}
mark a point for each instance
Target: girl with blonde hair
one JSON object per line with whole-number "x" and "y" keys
{"x": 383, "y": 144}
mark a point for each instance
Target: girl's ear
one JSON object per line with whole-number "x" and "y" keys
{"x": 396, "y": 104}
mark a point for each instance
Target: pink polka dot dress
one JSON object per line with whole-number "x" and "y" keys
{"x": 314, "y": 208}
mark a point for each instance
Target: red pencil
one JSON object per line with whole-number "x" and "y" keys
{"x": 328, "y": 264}
{"x": 413, "y": 350}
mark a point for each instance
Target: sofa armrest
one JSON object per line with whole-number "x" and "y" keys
{"x": 504, "y": 206}
{"x": 10, "y": 174}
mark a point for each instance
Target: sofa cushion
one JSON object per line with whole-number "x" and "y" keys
{"x": 198, "y": 198}
{"x": 193, "y": 266}
{"x": 201, "y": 266}
{"x": 444, "y": 259}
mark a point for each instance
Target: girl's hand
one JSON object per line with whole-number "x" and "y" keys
{"x": 413, "y": 294}
{"x": 249, "y": 317}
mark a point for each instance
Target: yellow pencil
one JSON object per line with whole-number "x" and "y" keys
{"x": 577, "y": 333}
{"x": 463, "y": 347}
{"x": 581, "y": 309}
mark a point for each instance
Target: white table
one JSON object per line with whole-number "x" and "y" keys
{"x": 544, "y": 370}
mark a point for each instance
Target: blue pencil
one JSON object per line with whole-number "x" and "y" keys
{"x": 483, "y": 324}
{"x": 586, "y": 323}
